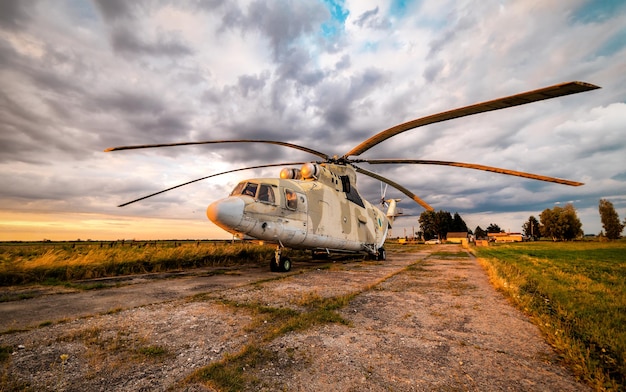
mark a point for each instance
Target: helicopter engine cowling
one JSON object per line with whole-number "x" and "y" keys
{"x": 310, "y": 171}
{"x": 289, "y": 173}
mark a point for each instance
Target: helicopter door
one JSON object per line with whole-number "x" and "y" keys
{"x": 295, "y": 221}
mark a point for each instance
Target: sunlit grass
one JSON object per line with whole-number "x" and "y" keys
{"x": 576, "y": 293}
{"x": 43, "y": 263}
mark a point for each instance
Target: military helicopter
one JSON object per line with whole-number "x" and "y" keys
{"x": 318, "y": 206}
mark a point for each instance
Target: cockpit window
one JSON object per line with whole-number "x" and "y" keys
{"x": 266, "y": 194}
{"x": 238, "y": 189}
{"x": 291, "y": 199}
{"x": 250, "y": 189}
{"x": 245, "y": 188}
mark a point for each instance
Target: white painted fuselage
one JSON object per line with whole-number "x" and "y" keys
{"x": 322, "y": 212}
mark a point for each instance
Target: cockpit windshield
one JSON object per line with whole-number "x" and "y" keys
{"x": 238, "y": 189}
{"x": 261, "y": 192}
{"x": 245, "y": 188}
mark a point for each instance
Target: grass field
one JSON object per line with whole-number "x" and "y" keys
{"x": 69, "y": 261}
{"x": 576, "y": 294}
{"x": 574, "y": 291}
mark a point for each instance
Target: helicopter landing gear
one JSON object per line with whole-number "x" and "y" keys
{"x": 381, "y": 255}
{"x": 280, "y": 263}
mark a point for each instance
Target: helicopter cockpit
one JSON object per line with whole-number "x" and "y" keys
{"x": 261, "y": 192}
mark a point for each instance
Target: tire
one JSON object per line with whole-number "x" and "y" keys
{"x": 285, "y": 264}
{"x": 273, "y": 266}
{"x": 382, "y": 254}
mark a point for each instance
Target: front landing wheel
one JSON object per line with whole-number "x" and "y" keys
{"x": 381, "y": 255}
{"x": 280, "y": 264}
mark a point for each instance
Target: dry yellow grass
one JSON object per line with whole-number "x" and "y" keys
{"x": 65, "y": 262}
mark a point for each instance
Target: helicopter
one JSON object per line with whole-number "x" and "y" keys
{"x": 318, "y": 207}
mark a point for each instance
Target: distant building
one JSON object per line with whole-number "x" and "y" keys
{"x": 457, "y": 238}
{"x": 506, "y": 237}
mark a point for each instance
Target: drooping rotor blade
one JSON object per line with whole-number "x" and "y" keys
{"x": 284, "y": 144}
{"x": 475, "y": 166}
{"x": 212, "y": 175}
{"x": 399, "y": 187}
{"x": 557, "y": 90}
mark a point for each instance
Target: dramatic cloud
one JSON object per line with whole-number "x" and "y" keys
{"x": 78, "y": 77}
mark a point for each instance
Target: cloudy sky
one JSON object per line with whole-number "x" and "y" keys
{"x": 79, "y": 76}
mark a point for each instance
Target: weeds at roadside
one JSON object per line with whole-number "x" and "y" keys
{"x": 5, "y": 353}
{"x": 152, "y": 351}
{"x": 449, "y": 255}
{"x": 576, "y": 294}
{"x": 230, "y": 373}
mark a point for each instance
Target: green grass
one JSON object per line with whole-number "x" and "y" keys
{"x": 152, "y": 351}
{"x": 230, "y": 373}
{"x": 5, "y": 353}
{"x": 576, "y": 293}
{"x": 450, "y": 255}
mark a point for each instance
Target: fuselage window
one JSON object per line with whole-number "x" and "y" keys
{"x": 266, "y": 194}
{"x": 291, "y": 199}
{"x": 351, "y": 192}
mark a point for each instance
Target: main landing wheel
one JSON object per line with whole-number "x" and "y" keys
{"x": 283, "y": 264}
{"x": 381, "y": 255}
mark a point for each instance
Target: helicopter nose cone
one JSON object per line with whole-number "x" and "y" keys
{"x": 226, "y": 213}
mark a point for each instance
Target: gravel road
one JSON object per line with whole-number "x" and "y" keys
{"x": 426, "y": 320}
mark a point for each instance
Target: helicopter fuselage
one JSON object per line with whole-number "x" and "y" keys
{"x": 318, "y": 209}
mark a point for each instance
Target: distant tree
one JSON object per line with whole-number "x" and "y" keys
{"x": 479, "y": 233}
{"x": 531, "y": 228}
{"x": 427, "y": 225}
{"x": 560, "y": 223}
{"x": 458, "y": 224}
{"x": 610, "y": 220}
{"x": 435, "y": 224}
{"x": 493, "y": 228}
{"x": 549, "y": 219}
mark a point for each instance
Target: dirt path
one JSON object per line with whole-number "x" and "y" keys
{"x": 418, "y": 322}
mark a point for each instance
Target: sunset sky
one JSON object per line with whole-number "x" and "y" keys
{"x": 80, "y": 76}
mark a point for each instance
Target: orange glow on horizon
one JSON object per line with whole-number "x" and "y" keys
{"x": 59, "y": 226}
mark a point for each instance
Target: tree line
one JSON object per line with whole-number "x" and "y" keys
{"x": 557, "y": 223}
{"x": 562, "y": 223}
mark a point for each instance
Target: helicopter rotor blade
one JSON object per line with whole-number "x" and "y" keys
{"x": 284, "y": 144}
{"x": 399, "y": 187}
{"x": 206, "y": 177}
{"x": 557, "y": 90}
{"x": 476, "y": 167}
